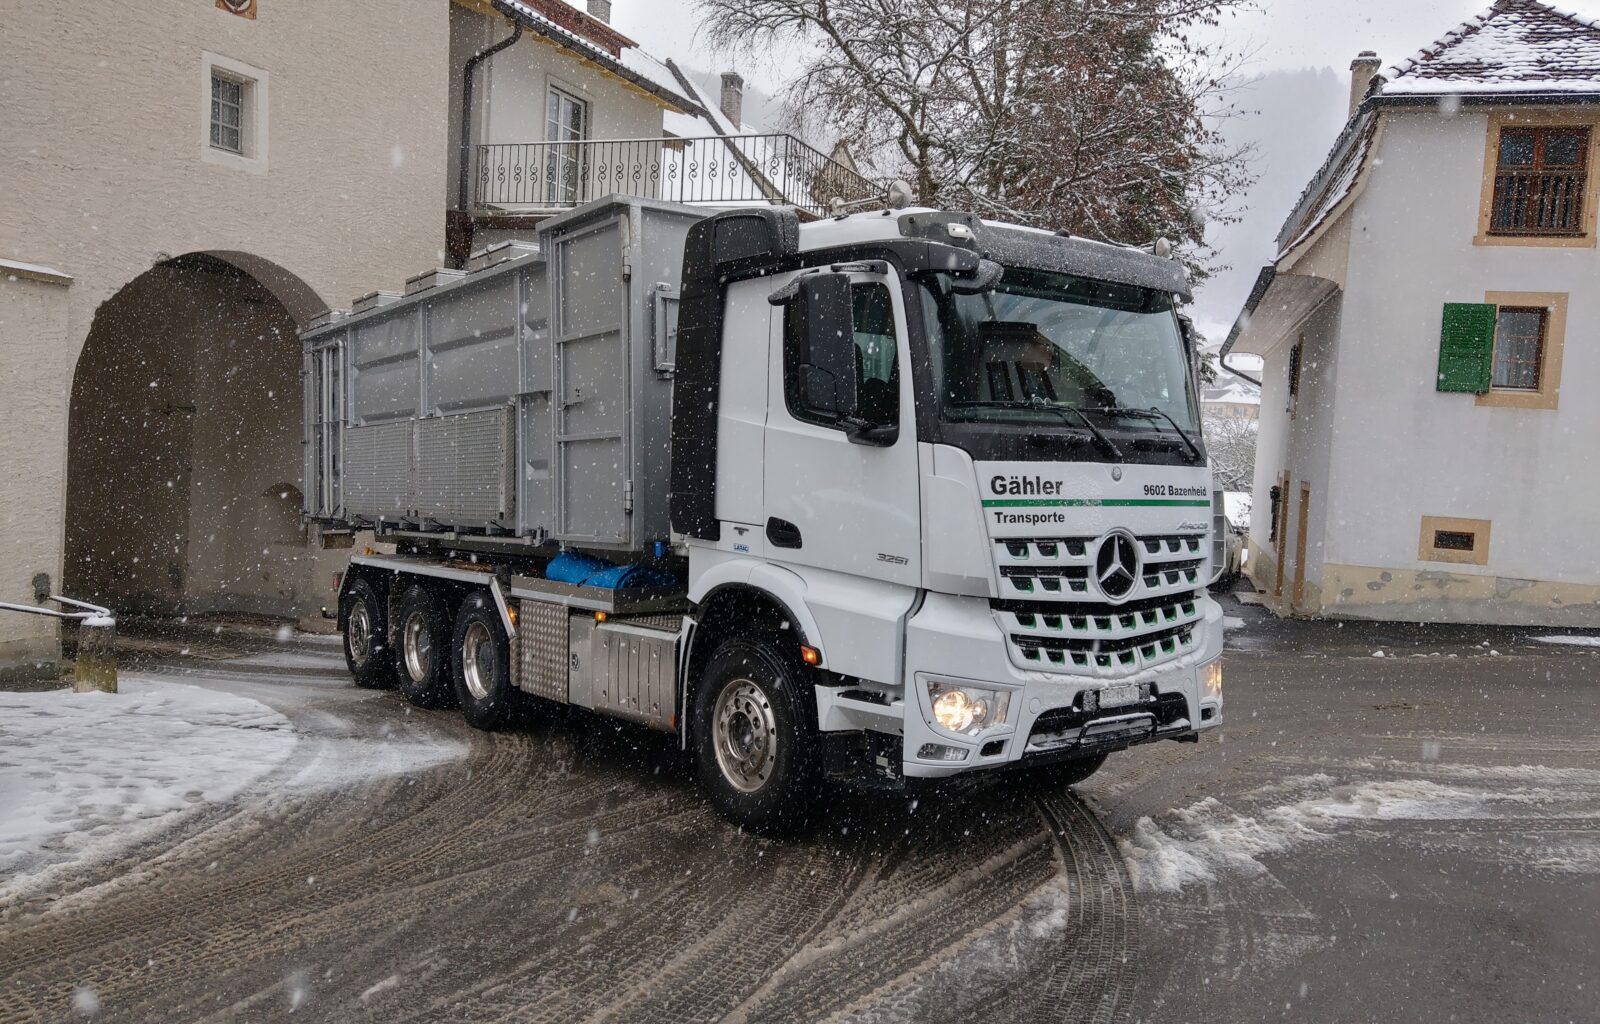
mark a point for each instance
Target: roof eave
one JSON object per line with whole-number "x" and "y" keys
{"x": 680, "y": 104}
{"x": 1484, "y": 99}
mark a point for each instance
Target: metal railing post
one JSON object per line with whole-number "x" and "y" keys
{"x": 96, "y": 665}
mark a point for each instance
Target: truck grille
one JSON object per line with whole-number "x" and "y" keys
{"x": 1057, "y": 617}
{"x": 1091, "y": 638}
{"x": 1061, "y": 568}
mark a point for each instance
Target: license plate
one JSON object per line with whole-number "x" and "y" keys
{"x": 1119, "y": 695}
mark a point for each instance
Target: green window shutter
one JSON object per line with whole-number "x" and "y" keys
{"x": 1466, "y": 347}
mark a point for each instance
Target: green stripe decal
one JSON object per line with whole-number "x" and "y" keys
{"x": 1100, "y": 502}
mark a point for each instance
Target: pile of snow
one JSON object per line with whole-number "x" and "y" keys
{"x": 1198, "y": 843}
{"x": 82, "y": 774}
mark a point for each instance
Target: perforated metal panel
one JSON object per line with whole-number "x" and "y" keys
{"x": 378, "y": 470}
{"x": 465, "y": 467}
{"x": 543, "y": 650}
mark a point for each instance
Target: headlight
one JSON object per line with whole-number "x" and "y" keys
{"x": 968, "y": 710}
{"x": 1211, "y": 679}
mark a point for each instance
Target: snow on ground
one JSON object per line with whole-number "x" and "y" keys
{"x": 84, "y": 773}
{"x": 1570, "y": 641}
{"x": 1232, "y": 622}
{"x": 1198, "y": 843}
{"x": 84, "y": 776}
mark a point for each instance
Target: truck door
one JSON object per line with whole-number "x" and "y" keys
{"x": 832, "y": 502}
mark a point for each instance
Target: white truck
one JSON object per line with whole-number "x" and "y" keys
{"x": 884, "y": 497}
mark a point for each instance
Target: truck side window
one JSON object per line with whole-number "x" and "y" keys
{"x": 876, "y": 363}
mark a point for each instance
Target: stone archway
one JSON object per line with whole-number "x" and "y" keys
{"x": 184, "y": 443}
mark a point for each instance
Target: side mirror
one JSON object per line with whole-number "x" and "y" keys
{"x": 828, "y": 345}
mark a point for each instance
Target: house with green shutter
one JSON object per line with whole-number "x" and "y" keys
{"x": 1430, "y": 332}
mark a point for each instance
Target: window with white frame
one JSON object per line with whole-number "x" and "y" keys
{"x": 233, "y": 114}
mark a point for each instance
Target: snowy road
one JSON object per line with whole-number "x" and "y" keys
{"x": 1370, "y": 834}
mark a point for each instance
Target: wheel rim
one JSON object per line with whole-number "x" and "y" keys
{"x": 477, "y": 660}
{"x": 745, "y": 735}
{"x": 418, "y": 647}
{"x": 358, "y": 633}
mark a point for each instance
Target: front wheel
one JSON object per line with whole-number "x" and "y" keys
{"x": 754, "y": 748}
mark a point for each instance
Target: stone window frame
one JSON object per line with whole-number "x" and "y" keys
{"x": 255, "y": 106}
{"x": 1535, "y": 118}
{"x": 1548, "y": 395}
{"x": 1479, "y": 529}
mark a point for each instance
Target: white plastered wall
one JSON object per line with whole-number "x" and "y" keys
{"x": 1403, "y": 450}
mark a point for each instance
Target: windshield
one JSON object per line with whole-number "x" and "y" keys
{"x": 1039, "y": 344}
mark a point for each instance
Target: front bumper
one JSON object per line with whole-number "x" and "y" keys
{"x": 1052, "y": 716}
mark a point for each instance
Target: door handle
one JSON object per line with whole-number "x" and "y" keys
{"x": 782, "y": 534}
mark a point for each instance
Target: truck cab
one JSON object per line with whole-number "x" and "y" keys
{"x": 964, "y": 461}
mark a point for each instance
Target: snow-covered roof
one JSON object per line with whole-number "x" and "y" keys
{"x": 633, "y": 64}
{"x": 1332, "y": 185}
{"x": 1515, "y": 47}
{"x": 1231, "y": 391}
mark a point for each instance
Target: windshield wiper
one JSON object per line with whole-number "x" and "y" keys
{"x": 1155, "y": 413}
{"x": 1038, "y": 406}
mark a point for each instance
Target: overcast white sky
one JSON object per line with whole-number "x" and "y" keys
{"x": 1283, "y": 33}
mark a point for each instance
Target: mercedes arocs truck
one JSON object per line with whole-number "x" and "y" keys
{"x": 881, "y": 497}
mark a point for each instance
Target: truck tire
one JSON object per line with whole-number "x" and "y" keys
{"x": 480, "y": 663}
{"x": 366, "y": 651}
{"x": 1070, "y": 773}
{"x": 422, "y": 641}
{"x": 754, "y": 745}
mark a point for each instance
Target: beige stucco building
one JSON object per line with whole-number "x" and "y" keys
{"x": 155, "y": 275}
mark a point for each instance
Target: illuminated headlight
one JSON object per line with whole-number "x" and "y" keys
{"x": 968, "y": 710}
{"x": 1211, "y": 679}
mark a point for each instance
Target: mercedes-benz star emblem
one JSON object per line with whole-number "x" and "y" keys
{"x": 1116, "y": 566}
{"x": 1116, "y": 472}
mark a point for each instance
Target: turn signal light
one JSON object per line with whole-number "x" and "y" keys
{"x": 601, "y": 616}
{"x": 810, "y": 655}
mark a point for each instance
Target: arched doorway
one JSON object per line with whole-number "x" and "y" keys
{"x": 184, "y": 454}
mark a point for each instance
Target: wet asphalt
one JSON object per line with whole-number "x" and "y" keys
{"x": 1408, "y": 837}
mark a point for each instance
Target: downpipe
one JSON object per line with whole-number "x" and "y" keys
{"x": 468, "y": 76}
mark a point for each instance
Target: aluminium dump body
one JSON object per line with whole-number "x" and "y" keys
{"x": 530, "y": 399}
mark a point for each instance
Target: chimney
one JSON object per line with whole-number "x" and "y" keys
{"x": 1362, "y": 71}
{"x": 600, "y": 10}
{"x": 733, "y": 99}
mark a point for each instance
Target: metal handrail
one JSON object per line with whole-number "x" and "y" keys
{"x": 90, "y": 611}
{"x": 771, "y": 169}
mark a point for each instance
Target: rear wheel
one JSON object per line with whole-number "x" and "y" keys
{"x": 481, "y": 665}
{"x": 423, "y": 635}
{"x": 369, "y": 658}
{"x": 754, "y": 748}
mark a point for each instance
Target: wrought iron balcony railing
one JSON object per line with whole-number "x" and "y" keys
{"x": 537, "y": 177}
